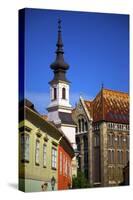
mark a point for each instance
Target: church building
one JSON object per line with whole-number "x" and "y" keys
{"x": 102, "y": 136}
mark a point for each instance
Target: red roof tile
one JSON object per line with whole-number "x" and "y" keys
{"x": 110, "y": 106}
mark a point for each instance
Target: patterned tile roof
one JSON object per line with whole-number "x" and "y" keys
{"x": 110, "y": 106}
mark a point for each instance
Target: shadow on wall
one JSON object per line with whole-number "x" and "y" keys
{"x": 13, "y": 185}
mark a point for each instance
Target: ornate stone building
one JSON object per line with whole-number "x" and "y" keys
{"x": 102, "y": 136}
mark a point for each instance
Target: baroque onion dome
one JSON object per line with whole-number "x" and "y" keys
{"x": 59, "y": 66}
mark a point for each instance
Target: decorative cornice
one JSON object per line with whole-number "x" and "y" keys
{"x": 25, "y": 128}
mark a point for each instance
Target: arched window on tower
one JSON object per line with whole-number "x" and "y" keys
{"x": 55, "y": 93}
{"x": 82, "y": 124}
{"x": 63, "y": 93}
{"x": 79, "y": 125}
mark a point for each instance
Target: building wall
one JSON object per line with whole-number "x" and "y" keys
{"x": 69, "y": 132}
{"x": 64, "y": 169}
{"x": 34, "y": 174}
{"x": 118, "y": 152}
{"x": 84, "y": 163}
{"x": 29, "y": 185}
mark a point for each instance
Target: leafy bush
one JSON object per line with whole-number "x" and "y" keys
{"x": 80, "y": 181}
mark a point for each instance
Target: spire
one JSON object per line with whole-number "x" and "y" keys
{"x": 59, "y": 41}
{"x": 59, "y": 66}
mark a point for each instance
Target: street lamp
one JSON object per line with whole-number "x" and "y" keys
{"x": 53, "y": 182}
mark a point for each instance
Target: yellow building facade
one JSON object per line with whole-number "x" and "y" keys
{"x": 38, "y": 153}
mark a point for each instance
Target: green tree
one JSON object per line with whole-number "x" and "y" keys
{"x": 80, "y": 181}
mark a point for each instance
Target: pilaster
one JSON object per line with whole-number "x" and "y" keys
{"x": 82, "y": 152}
{"x": 90, "y": 156}
{"x": 104, "y": 154}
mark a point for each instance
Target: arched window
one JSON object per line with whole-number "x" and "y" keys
{"x": 63, "y": 93}
{"x": 86, "y": 126}
{"x": 55, "y": 93}
{"x": 82, "y": 120}
{"x": 113, "y": 156}
{"x": 79, "y": 125}
{"x": 109, "y": 156}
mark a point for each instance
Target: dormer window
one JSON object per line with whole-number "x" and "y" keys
{"x": 63, "y": 93}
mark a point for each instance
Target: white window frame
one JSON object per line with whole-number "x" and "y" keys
{"x": 54, "y": 158}
{"x": 44, "y": 155}
{"x": 25, "y": 147}
{"x": 37, "y": 152}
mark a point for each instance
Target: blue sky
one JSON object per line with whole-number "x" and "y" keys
{"x": 96, "y": 47}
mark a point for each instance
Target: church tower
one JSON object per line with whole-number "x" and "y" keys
{"x": 59, "y": 109}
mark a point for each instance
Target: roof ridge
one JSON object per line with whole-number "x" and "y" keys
{"x": 117, "y": 91}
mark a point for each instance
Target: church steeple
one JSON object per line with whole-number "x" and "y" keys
{"x": 59, "y": 66}
{"x": 60, "y": 109}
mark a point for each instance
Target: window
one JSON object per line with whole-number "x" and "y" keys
{"x": 60, "y": 162}
{"x": 119, "y": 137}
{"x": 113, "y": 140}
{"x": 54, "y": 156}
{"x": 121, "y": 141}
{"x": 44, "y": 156}
{"x": 37, "y": 152}
{"x": 85, "y": 139}
{"x": 66, "y": 167}
{"x": 64, "y": 164}
{"x": 96, "y": 140}
{"x": 127, "y": 156}
{"x": 120, "y": 156}
{"x": 25, "y": 147}
{"x": 127, "y": 142}
{"x": 113, "y": 156}
{"x": 55, "y": 93}
{"x": 109, "y": 156}
{"x": 110, "y": 140}
{"x": 63, "y": 93}
{"x": 70, "y": 169}
{"x": 86, "y": 126}
{"x": 79, "y": 123}
{"x": 82, "y": 122}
